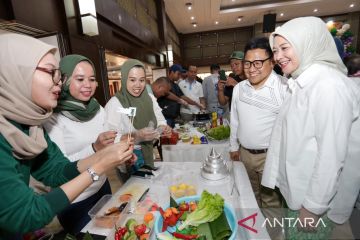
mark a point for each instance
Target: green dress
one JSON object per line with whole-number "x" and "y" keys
{"x": 22, "y": 210}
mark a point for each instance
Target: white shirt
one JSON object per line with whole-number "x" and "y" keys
{"x": 120, "y": 122}
{"x": 253, "y": 112}
{"x": 194, "y": 91}
{"x": 209, "y": 86}
{"x": 74, "y": 140}
{"x": 317, "y": 131}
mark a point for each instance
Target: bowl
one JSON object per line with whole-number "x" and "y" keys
{"x": 229, "y": 213}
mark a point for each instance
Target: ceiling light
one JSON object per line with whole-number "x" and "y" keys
{"x": 216, "y": 22}
{"x": 281, "y": 14}
{"x": 188, "y": 5}
{"x": 192, "y": 18}
{"x": 240, "y": 18}
{"x": 315, "y": 10}
{"x": 233, "y": 0}
{"x": 194, "y": 24}
{"x": 352, "y": 5}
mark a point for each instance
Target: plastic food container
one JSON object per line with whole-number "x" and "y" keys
{"x": 182, "y": 189}
{"x": 105, "y": 213}
{"x": 139, "y": 218}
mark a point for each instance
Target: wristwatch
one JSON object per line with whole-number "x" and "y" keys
{"x": 94, "y": 176}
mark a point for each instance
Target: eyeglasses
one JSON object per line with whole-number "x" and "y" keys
{"x": 56, "y": 75}
{"x": 257, "y": 63}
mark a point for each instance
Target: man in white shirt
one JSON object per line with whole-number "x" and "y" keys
{"x": 210, "y": 89}
{"x": 255, "y": 105}
{"x": 193, "y": 90}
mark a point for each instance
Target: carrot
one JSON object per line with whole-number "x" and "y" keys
{"x": 145, "y": 236}
{"x": 148, "y": 217}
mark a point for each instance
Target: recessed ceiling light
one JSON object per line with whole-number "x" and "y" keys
{"x": 216, "y": 22}
{"x": 192, "y": 18}
{"x": 315, "y": 10}
{"x": 352, "y": 5}
{"x": 194, "y": 24}
{"x": 233, "y": 0}
{"x": 281, "y": 14}
{"x": 240, "y": 18}
{"x": 188, "y": 5}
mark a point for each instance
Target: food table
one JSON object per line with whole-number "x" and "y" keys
{"x": 186, "y": 151}
{"x": 175, "y": 172}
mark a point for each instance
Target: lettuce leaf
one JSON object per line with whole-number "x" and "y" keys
{"x": 209, "y": 208}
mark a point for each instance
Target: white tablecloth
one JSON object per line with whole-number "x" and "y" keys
{"x": 170, "y": 172}
{"x": 185, "y": 152}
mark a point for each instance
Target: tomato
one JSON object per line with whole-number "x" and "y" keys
{"x": 140, "y": 229}
{"x": 122, "y": 231}
{"x": 184, "y": 206}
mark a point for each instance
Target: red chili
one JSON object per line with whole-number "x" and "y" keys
{"x": 165, "y": 225}
{"x": 162, "y": 212}
{"x": 117, "y": 236}
{"x": 184, "y": 236}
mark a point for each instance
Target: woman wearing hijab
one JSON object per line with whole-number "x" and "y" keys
{"x": 78, "y": 128}
{"x": 30, "y": 86}
{"x": 315, "y": 144}
{"x": 148, "y": 113}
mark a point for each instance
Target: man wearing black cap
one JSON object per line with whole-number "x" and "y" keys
{"x": 171, "y": 103}
{"x": 225, "y": 88}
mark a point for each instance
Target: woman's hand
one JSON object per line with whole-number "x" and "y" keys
{"x": 146, "y": 134}
{"x": 104, "y": 139}
{"x": 113, "y": 156}
{"x": 166, "y": 130}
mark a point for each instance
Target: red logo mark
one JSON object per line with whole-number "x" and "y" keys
{"x": 253, "y": 217}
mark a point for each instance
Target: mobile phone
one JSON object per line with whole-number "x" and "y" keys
{"x": 147, "y": 167}
{"x": 143, "y": 174}
{"x": 222, "y": 75}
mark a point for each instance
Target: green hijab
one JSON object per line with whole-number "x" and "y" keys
{"x": 68, "y": 106}
{"x": 144, "y": 107}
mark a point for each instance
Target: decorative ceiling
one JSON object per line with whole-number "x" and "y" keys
{"x": 207, "y": 15}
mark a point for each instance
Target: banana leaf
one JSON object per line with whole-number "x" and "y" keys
{"x": 220, "y": 228}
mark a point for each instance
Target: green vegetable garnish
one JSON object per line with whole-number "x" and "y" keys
{"x": 209, "y": 208}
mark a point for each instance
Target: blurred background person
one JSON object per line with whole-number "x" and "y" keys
{"x": 225, "y": 88}
{"x": 210, "y": 89}
{"x": 193, "y": 90}
{"x": 161, "y": 87}
{"x": 171, "y": 103}
{"x": 352, "y": 64}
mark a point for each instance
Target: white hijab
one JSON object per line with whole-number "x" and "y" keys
{"x": 19, "y": 56}
{"x": 312, "y": 41}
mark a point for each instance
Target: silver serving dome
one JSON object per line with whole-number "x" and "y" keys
{"x": 214, "y": 167}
